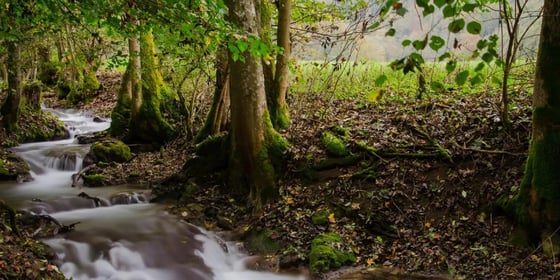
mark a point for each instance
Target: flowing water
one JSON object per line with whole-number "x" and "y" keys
{"x": 122, "y": 236}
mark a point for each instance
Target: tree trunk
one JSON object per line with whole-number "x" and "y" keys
{"x": 11, "y": 108}
{"x": 218, "y": 117}
{"x": 253, "y": 140}
{"x": 135, "y": 73}
{"x": 120, "y": 117}
{"x": 537, "y": 205}
{"x": 147, "y": 122}
{"x": 277, "y": 103}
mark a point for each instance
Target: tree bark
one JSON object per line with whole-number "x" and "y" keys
{"x": 11, "y": 108}
{"x": 537, "y": 206}
{"x": 278, "y": 107}
{"x": 252, "y": 137}
{"x": 218, "y": 117}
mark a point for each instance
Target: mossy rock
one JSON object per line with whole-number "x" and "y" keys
{"x": 320, "y": 217}
{"x": 108, "y": 150}
{"x": 328, "y": 252}
{"x": 334, "y": 145}
{"x": 13, "y": 168}
{"x": 94, "y": 180}
{"x": 261, "y": 242}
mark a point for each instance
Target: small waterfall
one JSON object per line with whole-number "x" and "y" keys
{"x": 118, "y": 234}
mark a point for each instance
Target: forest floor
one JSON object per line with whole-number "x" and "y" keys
{"x": 403, "y": 206}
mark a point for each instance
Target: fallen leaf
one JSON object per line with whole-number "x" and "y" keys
{"x": 332, "y": 219}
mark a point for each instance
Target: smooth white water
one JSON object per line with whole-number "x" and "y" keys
{"x": 123, "y": 237}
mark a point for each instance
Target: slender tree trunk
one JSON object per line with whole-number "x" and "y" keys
{"x": 278, "y": 107}
{"x": 537, "y": 205}
{"x": 252, "y": 136}
{"x": 11, "y": 108}
{"x": 218, "y": 117}
{"x": 135, "y": 72}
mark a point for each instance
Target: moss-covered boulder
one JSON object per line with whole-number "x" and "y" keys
{"x": 334, "y": 145}
{"x": 328, "y": 251}
{"x": 13, "y": 168}
{"x": 108, "y": 150}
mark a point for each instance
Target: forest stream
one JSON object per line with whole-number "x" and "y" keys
{"x": 121, "y": 235}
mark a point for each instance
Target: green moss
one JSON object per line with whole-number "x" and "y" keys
{"x": 3, "y": 168}
{"x": 341, "y": 132}
{"x": 334, "y": 145}
{"x": 110, "y": 150}
{"x": 281, "y": 117}
{"x": 213, "y": 146}
{"x": 64, "y": 88}
{"x": 90, "y": 84}
{"x": 261, "y": 242}
{"x": 94, "y": 179}
{"x": 327, "y": 253}
{"x": 321, "y": 217}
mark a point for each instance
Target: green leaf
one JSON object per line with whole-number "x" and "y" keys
{"x": 469, "y": 7}
{"x": 422, "y": 3}
{"x": 461, "y": 78}
{"x": 444, "y": 56}
{"x": 380, "y": 80}
{"x": 450, "y": 66}
{"x": 242, "y": 46}
{"x": 374, "y": 25}
{"x": 402, "y": 11}
{"x": 437, "y": 86}
{"x": 487, "y": 57}
{"x": 417, "y": 58}
{"x": 428, "y": 10}
{"x": 391, "y": 32}
{"x": 456, "y": 25}
{"x": 448, "y": 11}
{"x": 440, "y": 3}
{"x": 419, "y": 45}
{"x": 481, "y": 44}
{"x": 406, "y": 43}
{"x": 477, "y": 79}
{"x": 479, "y": 67}
{"x": 474, "y": 27}
{"x": 436, "y": 43}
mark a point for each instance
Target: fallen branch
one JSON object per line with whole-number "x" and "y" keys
{"x": 77, "y": 176}
{"x": 498, "y": 152}
{"x": 444, "y": 153}
{"x": 96, "y": 200}
{"x": 60, "y": 228}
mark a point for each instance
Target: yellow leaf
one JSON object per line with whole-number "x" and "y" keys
{"x": 332, "y": 219}
{"x": 427, "y": 224}
{"x": 289, "y": 200}
{"x": 369, "y": 262}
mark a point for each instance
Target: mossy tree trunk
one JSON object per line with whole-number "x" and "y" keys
{"x": 11, "y": 108}
{"x": 148, "y": 124}
{"x": 276, "y": 71}
{"x": 538, "y": 203}
{"x": 218, "y": 117}
{"x": 137, "y": 115}
{"x": 277, "y": 102}
{"x": 254, "y": 142}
